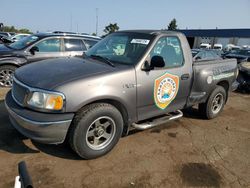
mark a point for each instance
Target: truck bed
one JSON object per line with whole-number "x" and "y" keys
{"x": 207, "y": 74}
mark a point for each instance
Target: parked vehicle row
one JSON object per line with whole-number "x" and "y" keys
{"x": 241, "y": 55}
{"x": 38, "y": 47}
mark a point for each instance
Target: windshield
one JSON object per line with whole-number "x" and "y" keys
{"x": 125, "y": 48}
{"x": 24, "y": 42}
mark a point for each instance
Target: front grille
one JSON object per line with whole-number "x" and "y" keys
{"x": 19, "y": 92}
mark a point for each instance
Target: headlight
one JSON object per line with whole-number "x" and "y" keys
{"x": 49, "y": 101}
{"x": 246, "y": 65}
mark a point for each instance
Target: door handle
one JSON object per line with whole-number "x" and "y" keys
{"x": 185, "y": 76}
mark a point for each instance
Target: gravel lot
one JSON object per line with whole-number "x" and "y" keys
{"x": 188, "y": 152}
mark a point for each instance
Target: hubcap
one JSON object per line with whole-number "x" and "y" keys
{"x": 100, "y": 133}
{"x": 6, "y": 77}
{"x": 217, "y": 103}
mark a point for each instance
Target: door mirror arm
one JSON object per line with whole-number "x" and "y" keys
{"x": 146, "y": 67}
{"x": 34, "y": 49}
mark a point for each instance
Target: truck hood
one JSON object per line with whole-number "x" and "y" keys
{"x": 49, "y": 74}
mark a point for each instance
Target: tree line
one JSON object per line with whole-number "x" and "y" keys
{"x": 114, "y": 27}
{"x": 13, "y": 29}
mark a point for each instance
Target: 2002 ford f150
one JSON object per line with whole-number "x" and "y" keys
{"x": 129, "y": 80}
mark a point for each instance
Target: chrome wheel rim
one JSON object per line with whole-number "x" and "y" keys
{"x": 6, "y": 77}
{"x": 100, "y": 133}
{"x": 217, "y": 103}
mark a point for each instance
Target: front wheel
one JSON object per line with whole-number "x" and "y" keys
{"x": 95, "y": 130}
{"x": 6, "y": 75}
{"x": 215, "y": 103}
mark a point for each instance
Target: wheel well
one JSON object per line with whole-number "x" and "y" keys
{"x": 11, "y": 64}
{"x": 121, "y": 108}
{"x": 225, "y": 85}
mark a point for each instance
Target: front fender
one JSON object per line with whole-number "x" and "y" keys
{"x": 12, "y": 61}
{"x": 119, "y": 87}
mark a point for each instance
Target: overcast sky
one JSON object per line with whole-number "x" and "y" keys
{"x": 50, "y": 15}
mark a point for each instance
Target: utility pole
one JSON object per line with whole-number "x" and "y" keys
{"x": 1, "y": 26}
{"x": 71, "y": 21}
{"x": 96, "y": 27}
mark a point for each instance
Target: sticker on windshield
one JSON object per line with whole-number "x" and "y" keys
{"x": 140, "y": 41}
{"x": 165, "y": 90}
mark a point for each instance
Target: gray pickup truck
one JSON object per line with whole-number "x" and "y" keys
{"x": 129, "y": 80}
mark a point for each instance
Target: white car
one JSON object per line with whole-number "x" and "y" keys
{"x": 218, "y": 47}
{"x": 205, "y": 46}
{"x": 230, "y": 47}
{"x": 19, "y": 36}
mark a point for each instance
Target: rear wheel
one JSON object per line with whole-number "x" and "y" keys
{"x": 6, "y": 75}
{"x": 95, "y": 130}
{"x": 214, "y": 104}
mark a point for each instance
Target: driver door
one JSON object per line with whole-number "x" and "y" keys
{"x": 167, "y": 88}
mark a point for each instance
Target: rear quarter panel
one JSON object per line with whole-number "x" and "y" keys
{"x": 208, "y": 74}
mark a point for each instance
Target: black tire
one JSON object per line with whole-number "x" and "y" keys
{"x": 207, "y": 108}
{"x": 82, "y": 124}
{"x": 5, "y": 70}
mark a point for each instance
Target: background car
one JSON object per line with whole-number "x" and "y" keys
{"x": 6, "y": 34}
{"x": 244, "y": 76}
{"x": 39, "y": 47}
{"x": 205, "y": 46}
{"x": 241, "y": 55}
{"x": 18, "y": 36}
{"x": 4, "y": 39}
{"x": 218, "y": 47}
{"x": 202, "y": 54}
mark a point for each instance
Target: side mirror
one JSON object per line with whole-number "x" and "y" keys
{"x": 146, "y": 67}
{"x": 34, "y": 49}
{"x": 157, "y": 61}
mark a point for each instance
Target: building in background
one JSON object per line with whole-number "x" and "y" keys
{"x": 237, "y": 37}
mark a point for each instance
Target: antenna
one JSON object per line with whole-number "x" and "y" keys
{"x": 96, "y": 28}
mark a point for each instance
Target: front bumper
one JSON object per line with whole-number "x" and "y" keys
{"x": 42, "y": 127}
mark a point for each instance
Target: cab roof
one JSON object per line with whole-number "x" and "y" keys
{"x": 152, "y": 32}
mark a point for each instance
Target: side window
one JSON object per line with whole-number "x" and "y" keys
{"x": 49, "y": 45}
{"x": 90, "y": 43}
{"x": 74, "y": 45}
{"x": 170, "y": 49}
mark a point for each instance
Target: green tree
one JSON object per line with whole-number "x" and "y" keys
{"x": 172, "y": 25}
{"x": 15, "y": 30}
{"x": 24, "y": 30}
{"x": 111, "y": 28}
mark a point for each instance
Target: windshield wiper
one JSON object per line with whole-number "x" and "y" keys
{"x": 106, "y": 60}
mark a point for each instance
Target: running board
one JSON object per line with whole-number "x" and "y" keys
{"x": 158, "y": 121}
